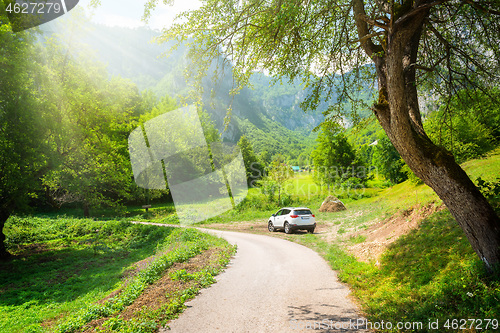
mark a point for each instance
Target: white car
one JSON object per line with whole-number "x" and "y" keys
{"x": 292, "y": 218}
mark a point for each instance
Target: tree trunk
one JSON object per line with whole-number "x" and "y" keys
{"x": 398, "y": 112}
{"x": 86, "y": 209}
{"x": 4, "y": 255}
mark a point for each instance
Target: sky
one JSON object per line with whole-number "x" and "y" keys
{"x": 128, "y": 13}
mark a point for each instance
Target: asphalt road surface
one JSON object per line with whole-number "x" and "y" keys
{"x": 271, "y": 285}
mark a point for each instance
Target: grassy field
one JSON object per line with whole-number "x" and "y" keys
{"x": 63, "y": 268}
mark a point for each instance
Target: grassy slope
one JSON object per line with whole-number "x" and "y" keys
{"x": 430, "y": 273}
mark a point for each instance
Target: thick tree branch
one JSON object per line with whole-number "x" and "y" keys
{"x": 362, "y": 27}
{"x": 375, "y": 34}
{"x": 418, "y": 10}
{"x": 479, "y": 7}
{"x": 373, "y": 22}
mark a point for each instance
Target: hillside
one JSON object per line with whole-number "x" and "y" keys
{"x": 267, "y": 108}
{"x": 132, "y": 54}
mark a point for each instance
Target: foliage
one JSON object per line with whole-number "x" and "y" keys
{"x": 335, "y": 161}
{"x": 70, "y": 272}
{"x": 278, "y": 173}
{"x": 411, "y": 175}
{"x": 490, "y": 189}
{"x": 91, "y": 119}
{"x": 23, "y": 151}
{"x": 58, "y": 267}
{"x": 469, "y": 125}
{"x": 253, "y": 167}
{"x": 269, "y": 138}
{"x": 387, "y": 161}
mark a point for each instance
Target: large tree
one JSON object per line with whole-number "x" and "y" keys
{"x": 91, "y": 118}
{"x": 455, "y": 43}
{"x": 23, "y": 156}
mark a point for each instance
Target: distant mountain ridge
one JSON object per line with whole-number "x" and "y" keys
{"x": 131, "y": 54}
{"x": 267, "y": 109}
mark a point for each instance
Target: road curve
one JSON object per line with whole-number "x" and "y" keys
{"x": 271, "y": 285}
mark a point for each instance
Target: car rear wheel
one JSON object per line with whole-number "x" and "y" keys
{"x": 271, "y": 227}
{"x": 288, "y": 230}
{"x": 311, "y": 231}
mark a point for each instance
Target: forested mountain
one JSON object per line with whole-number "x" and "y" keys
{"x": 269, "y": 114}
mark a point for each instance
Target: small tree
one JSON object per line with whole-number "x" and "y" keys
{"x": 253, "y": 166}
{"x": 279, "y": 172}
{"x": 387, "y": 161}
{"x": 334, "y": 159}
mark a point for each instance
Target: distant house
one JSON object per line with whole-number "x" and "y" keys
{"x": 296, "y": 168}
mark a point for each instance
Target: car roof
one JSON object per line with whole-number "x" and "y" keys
{"x": 293, "y": 208}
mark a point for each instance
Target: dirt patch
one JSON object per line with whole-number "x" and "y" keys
{"x": 380, "y": 235}
{"x": 259, "y": 227}
{"x": 377, "y": 237}
{"x": 158, "y": 294}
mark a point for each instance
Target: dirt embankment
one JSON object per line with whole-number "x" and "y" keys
{"x": 159, "y": 293}
{"x": 381, "y": 234}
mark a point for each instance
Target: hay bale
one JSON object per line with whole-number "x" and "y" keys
{"x": 332, "y": 204}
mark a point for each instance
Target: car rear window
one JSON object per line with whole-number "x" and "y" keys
{"x": 302, "y": 212}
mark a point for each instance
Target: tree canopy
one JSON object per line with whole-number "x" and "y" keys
{"x": 22, "y": 149}
{"x": 334, "y": 159}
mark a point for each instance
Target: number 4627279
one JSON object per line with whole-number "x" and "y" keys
{"x": 34, "y": 8}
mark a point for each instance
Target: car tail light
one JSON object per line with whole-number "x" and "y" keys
{"x": 313, "y": 215}
{"x": 294, "y": 216}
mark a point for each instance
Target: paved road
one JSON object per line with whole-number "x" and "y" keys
{"x": 271, "y": 285}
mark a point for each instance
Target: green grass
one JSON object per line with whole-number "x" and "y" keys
{"x": 149, "y": 320}
{"x": 486, "y": 167}
{"x": 380, "y": 204}
{"x": 432, "y": 273}
{"x": 75, "y": 266}
{"x": 179, "y": 246}
{"x": 62, "y": 267}
{"x": 429, "y": 274}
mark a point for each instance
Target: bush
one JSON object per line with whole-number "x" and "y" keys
{"x": 469, "y": 127}
{"x": 491, "y": 190}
